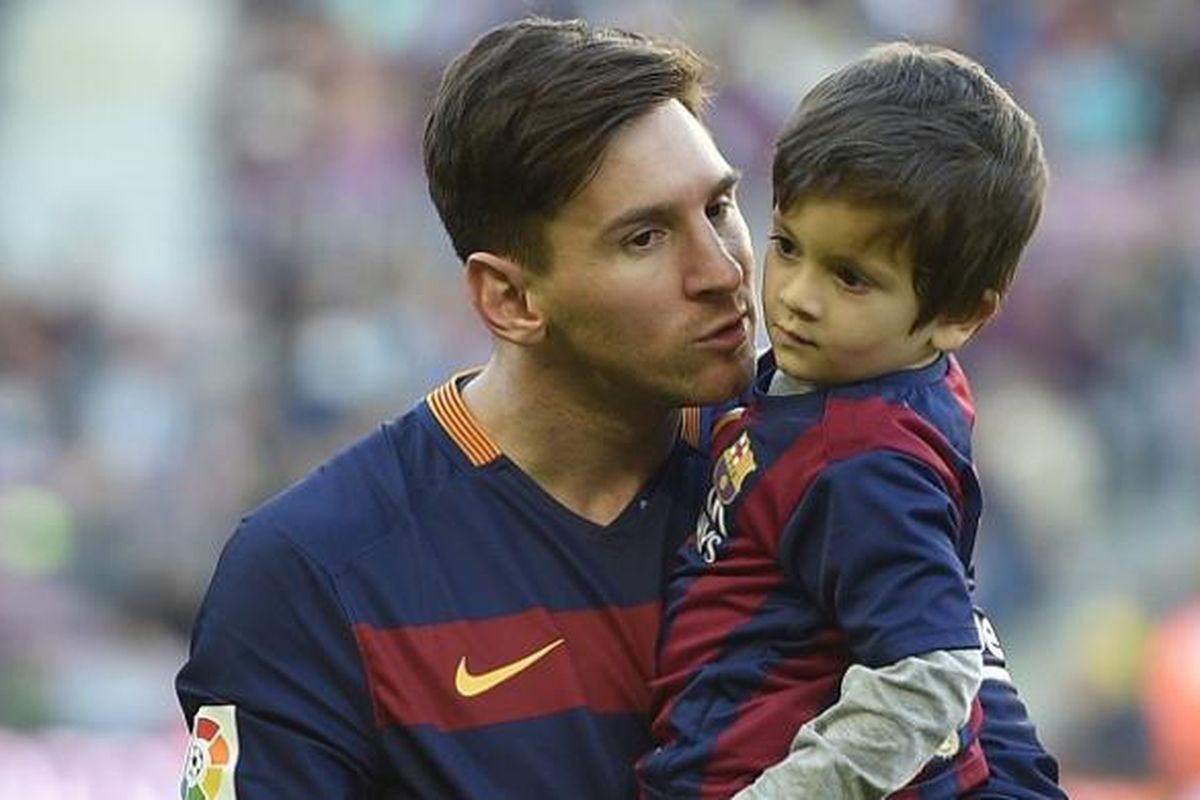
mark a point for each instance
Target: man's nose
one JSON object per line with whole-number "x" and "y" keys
{"x": 713, "y": 264}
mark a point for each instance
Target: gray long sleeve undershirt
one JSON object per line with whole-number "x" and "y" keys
{"x": 883, "y": 729}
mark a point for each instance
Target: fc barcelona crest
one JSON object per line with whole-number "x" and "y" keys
{"x": 731, "y": 469}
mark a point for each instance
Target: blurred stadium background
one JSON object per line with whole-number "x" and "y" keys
{"x": 218, "y": 264}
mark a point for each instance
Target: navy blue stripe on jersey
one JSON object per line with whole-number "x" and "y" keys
{"x": 1019, "y": 768}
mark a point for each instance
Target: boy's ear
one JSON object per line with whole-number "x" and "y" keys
{"x": 951, "y": 334}
{"x": 499, "y": 291}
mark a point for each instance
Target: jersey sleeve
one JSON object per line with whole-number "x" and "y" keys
{"x": 887, "y": 724}
{"x": 874, "y": 543}
{"x": 274, "y": 673}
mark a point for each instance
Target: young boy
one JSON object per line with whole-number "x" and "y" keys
{"x": 821, "y": 620}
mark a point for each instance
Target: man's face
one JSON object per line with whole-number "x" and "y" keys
{"x": 648, "y": 294}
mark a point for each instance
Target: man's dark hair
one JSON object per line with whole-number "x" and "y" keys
{"x": 522, "y": 119}
{"x": 923, "y": 131}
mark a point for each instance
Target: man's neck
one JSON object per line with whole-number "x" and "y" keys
{"x": 592, "y": 458}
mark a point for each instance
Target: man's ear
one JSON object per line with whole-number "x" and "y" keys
{"x": 499, "y": 291}
{"x": 951, "y": 334}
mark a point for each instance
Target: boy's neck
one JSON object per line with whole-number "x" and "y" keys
{"x": 784, "y": 384}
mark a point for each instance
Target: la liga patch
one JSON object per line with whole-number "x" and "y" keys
{"x": 212, "y": 755}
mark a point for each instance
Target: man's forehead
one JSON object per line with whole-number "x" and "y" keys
{"x": 663, "y": 158}
{"x": 662, "y": 141}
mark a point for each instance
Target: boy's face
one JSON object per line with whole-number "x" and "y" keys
{"x": 648, "y": 296}
{"x": 838, "y": 294}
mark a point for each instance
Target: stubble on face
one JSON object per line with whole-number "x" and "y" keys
{"x": 642, "y": 324}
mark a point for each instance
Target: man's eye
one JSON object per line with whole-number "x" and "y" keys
{"x": 718, "y": 209}
{"x": 645, "y": 239}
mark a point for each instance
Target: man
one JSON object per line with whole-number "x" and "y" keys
{"x": 466, "y": 603}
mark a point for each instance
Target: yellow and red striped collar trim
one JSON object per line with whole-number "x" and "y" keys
{"x": 689, "y": 426}
{"x": 452, "y": 414}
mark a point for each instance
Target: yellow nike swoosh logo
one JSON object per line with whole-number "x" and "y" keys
{"x": 469, "y": 685}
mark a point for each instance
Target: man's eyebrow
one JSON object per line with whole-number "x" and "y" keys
{"x": 728, "y": 183}
{"x": 664, "y": 211}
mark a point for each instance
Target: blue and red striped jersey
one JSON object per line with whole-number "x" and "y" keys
{"x": 838, "y": 529}
{"x": 418, "y": 618}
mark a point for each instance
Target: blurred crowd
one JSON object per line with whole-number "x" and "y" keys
{"x": 218, "y": 264}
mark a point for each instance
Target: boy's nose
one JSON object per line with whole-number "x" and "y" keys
{"x": 802, "y": 294}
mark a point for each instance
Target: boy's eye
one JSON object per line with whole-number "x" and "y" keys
{"x": 851, "y": 278}
{"x": 783, "y": 245}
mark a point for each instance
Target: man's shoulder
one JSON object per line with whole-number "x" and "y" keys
{"x": 362, "y": 494}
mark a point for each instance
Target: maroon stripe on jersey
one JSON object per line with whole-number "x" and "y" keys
{"x": 972, "y": 766}
{"x": 795, "y": 690}
{"x": 956, "y": 379}
{"x": 604, "y": 663}
{"x": 728, "y": 426}
{"x": 855, "y": 426}
{"x": 724, "y": 599}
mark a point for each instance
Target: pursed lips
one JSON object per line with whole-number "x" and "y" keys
{"x": 730, "y": 327}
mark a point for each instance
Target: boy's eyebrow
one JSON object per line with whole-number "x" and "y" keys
{"x": 852, "y": 257}
{"x": 664, "y": 211}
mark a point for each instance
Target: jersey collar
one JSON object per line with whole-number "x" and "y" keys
{"x": 464, "y": 430}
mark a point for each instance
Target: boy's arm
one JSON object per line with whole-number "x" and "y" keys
{"x": 873, "y": 543}
{"x": 887, "y": 724}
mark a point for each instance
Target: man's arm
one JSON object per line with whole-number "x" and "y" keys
{"x": 273, "y": 689}
{"x": 886, "y": 725}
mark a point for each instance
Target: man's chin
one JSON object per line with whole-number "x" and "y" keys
{"x": 723, "y": 385}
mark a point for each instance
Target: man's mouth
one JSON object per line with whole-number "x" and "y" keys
{"x": 730, "y": 334}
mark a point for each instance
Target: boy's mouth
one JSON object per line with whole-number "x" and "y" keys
{"x": 794, "y": 338}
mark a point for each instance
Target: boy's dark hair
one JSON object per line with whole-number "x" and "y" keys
{"x": 522, "y": 118}
{"x": 924, "y": 131}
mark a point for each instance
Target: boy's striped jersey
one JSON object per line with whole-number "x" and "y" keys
{"x": 838, "y": 529}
